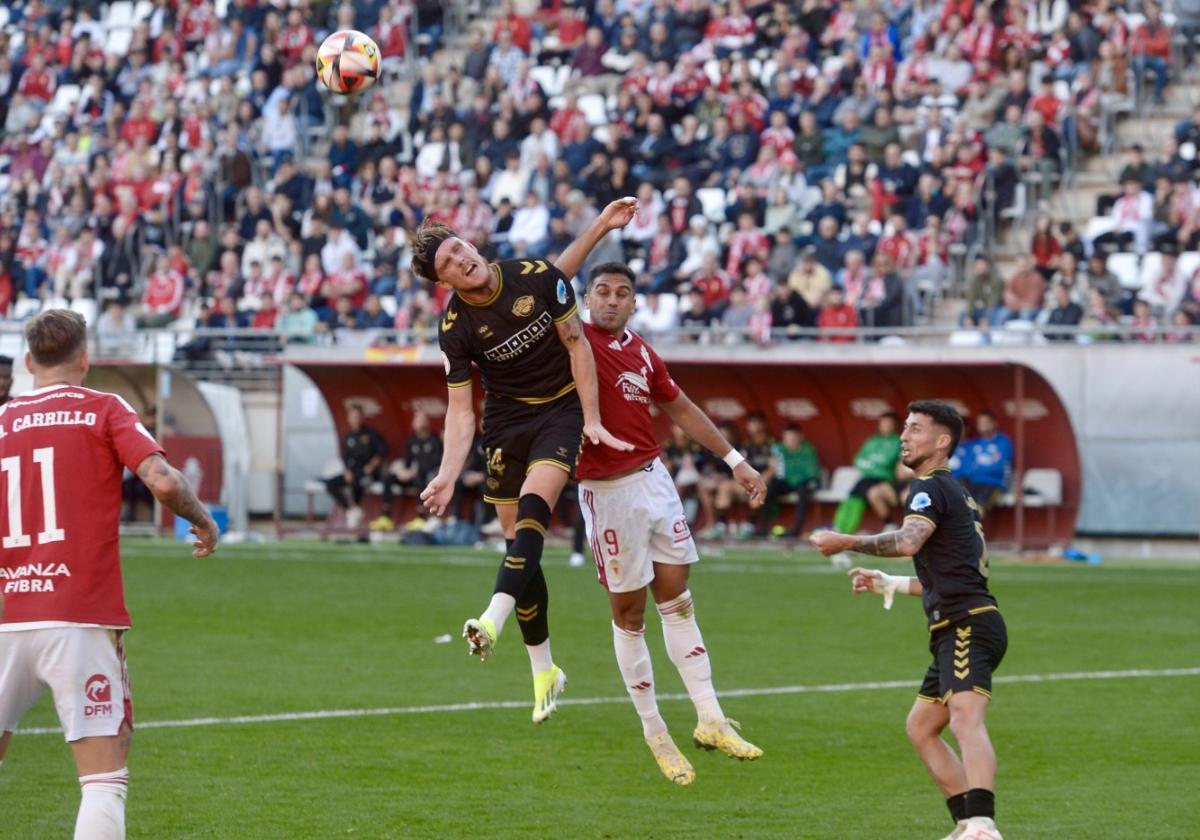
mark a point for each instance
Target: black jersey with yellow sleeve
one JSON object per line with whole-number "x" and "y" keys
{"x": 511, "y": 336}
{"x": 952, "y": 565}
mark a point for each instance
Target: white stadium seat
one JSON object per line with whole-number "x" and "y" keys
{"x": 594, "y": 109}
{"x": 843, "y": 481}
{"x": 1151, "y": 267}
{"x": 1189, "y": 263}
{"x": 1125, "y": 267}
{"x": 87, "y": 308}
{"x": 712, "y": 199}
{"x": 120, "y": 15}
{"x": 1043, "y": 488}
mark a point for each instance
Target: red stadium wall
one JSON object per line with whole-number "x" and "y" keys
{"x": 835, "y": 404}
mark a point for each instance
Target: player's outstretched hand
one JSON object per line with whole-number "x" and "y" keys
{"x": 598, "y": 435}
{"x": 619, "y": 213}
{"x": 831, "y": 542}
{"x": 436, "y": 497}
{"x": 206, "y": 539}
{"x": 752, "y": 482}
{"x": 865, "y": 580}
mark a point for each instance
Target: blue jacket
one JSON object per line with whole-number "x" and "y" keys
{"x": 986, "y": 461}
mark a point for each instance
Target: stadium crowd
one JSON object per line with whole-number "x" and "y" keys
{"x": 799, "y": 164}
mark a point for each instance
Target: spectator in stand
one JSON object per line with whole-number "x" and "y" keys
{"x": 882, "y": 300}
{"x": 1064, "y": 313}
{"x": 697, "y": 318}
{"x": 790, "y": 313}
{"x": 422, "y": 458}
{"x": 372, "y": 316}
{"x": 163, "y": 297}
{"x": 1132, "y": 213}
{"x": 983, "y": 464}
{"x": 1151, "y": 49}
{"x": 810, "y": 278}
{"x": 1044, "y": 246}
{"x": 1166, "y": 287}
{"x": 1024, "y": 294}
{"x": 299, "y": 321}
{"x": 837, "y": 314}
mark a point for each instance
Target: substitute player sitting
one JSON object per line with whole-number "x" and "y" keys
{"x": 637, "y": 527}
{"x": 517, "y": 321}
{"x": 943, "y": 535}
{"x": 63, "y": 622}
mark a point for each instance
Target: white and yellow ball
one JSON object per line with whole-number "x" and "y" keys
{"x": 348, "y": 62}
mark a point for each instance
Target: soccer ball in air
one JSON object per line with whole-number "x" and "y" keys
{"x": 348, "y": 62}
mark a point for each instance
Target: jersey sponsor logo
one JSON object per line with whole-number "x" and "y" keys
{"x": 98, "y": 690}
{"x": 522, "y": 307}
{"x": 560, "y": 292}
{"x": 634, "y": 387}
{"x": 533, "y": 266}
{"x": 448, "y": 323}
{"x": 32, "y": 577}
{"x": 485, "y": 331}
{"x": 921, "y": 501}
{"x": 521, "y": 341}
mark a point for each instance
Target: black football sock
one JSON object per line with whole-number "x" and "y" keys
{"x": 958, "y": 806}
{"x": 980, "y": 802}
{"x": 525, "y": 555}
{"x": 532, "y": 608}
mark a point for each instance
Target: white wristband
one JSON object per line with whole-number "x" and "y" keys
{"x": 734, "y": 458}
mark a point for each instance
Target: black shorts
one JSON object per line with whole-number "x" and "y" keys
{"x": 863, "y": 485}
{"x": 965, "y": 653}
{"x": 518, "y": 436}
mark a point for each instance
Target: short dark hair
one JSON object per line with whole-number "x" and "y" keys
{"x": 425, "y": 242}
{"x": 612, "y": 268}
{"x": 6, "y": 361}
{"x": 890, "y": 413}
{"x": 56, "y": 336}
{"x": 985, "y": 412}
{"x": 942, "y": 415}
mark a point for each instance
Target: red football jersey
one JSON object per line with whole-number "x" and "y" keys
{"x": 630, "y": 376}
{"x": 62, "y": 453}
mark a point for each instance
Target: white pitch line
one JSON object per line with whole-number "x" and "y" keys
{"x": 829, "y": 688}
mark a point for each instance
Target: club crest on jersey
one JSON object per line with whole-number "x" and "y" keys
{"x": 485, "y": 331}
{"x": 920, "y": 502}
{"x": 561, "y": 291}
{"x": 523, "y": 306}
{"x": 634, "y": 386}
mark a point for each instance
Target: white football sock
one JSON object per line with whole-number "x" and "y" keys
{"x": 539, "y": 657}
{"x": 499, "y": 609}
{"x": 633, "y": 658}
{"x": 686, "y": 648}
{"x": 102, "y": 806}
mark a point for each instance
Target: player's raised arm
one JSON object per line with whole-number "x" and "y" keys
{"x": 172, "y": 490}
{"x": 583, "y": 371}
{"x": 699, "y": 428}
{"x": 460, "y": 434}
{"x": 616, "y": 215}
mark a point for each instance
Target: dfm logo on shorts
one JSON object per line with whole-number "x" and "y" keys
{"x": 98, "y": 689}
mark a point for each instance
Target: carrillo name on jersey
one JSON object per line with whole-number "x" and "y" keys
{"x": 38, "y": 419}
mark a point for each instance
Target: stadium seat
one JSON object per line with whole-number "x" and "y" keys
{"x": 967, "y": 338}
{"x": 594, "y": 109}
{"x": 117, "y": 41}
{"x": 1097, "y": 226}
{"x": 548, "y": 78}
{"x": 1125, "y": 267}
{"x": 843, "y": 481}
{"x": 26, "y": 308}
{"x": 316, "y": 486}
{"x": 1016, "y": 212}
{"x": 712, "y": 199}
{"x": 1151, "y": 266}
{"x": 1189, "y": 263}
{"x": 64, "y": 100}
{"x": 1043, "y": 488}
{"x": 1187, "y": 151}
{"x": 388, "y": 304}
{"x": 12, "y": 345}
{"x": 712, "y": 69}
{"x": 1016, "y": 332}
{"x": 142, "y": 11}
{"x": 87, "y": 308}
{"x": 120, "y": 16}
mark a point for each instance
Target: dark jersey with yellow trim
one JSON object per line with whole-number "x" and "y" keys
{"x": 952, "y": 565}
{"x": 512, "y": 337}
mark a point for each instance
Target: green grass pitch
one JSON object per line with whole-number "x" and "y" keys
{"x": 292, "y": 628}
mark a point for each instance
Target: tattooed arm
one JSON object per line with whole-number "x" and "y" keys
{"x": 903, "y": 543}
{"x": 173, "y": 491}
{"x": 583, "y": 369}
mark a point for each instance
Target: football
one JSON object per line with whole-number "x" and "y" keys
{"x": 348, "y": 62}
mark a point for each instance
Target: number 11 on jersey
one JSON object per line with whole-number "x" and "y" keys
{"x": 11, "y": 467}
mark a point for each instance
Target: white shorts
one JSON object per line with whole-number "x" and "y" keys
{"x": 634, "y": 522}
{"x": 84, "y": 668}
